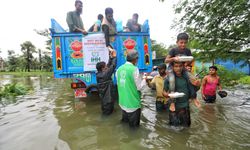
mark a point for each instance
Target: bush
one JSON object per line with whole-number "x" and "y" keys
{"x": 227, "y": 77}
{"x": 245, "y": 80}
{"x": 12, "y": 90}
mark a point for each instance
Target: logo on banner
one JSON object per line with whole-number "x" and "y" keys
{"x": 95, "y": 57}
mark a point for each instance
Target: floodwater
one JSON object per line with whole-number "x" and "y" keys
{"x": 49, "y": 118}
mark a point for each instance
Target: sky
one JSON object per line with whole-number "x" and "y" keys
{"x": 19, "y": 18}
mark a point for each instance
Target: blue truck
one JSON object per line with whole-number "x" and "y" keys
{"x": 75, "y": 55}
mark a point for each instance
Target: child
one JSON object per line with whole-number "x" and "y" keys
{"x": 181, "y": 50}
{"x": 209, "y": 85}
{"x": 105, "y": 83}
{"x": 180, "y": 114}
{"x": 157, "y": 82}
{"x": 193, "y": 79}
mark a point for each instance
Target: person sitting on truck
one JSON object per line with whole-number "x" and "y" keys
{"x": 109, "y": 26}
{"x": 96, "y": 27}
{"x": 105, "y": 83}
{"x": 133, "y": 25}
{"x": 74, "y": 19}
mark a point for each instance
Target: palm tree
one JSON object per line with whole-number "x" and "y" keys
{"x": 28, "y": 49}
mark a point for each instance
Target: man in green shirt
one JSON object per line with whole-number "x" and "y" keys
{"x": 180, "y": 115}
{"x": 74, "y": 19}
{"x": 129, "y": 84}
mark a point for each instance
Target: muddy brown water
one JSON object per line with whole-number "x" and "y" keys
{"x": 49, "y": 118}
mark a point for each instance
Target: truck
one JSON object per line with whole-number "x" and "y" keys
{"x": 75, "y": 55}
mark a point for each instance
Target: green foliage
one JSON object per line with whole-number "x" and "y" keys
{"x": 28, "y": 49}
{"x": 9, "y": 90}
{"x": 160, "y": 49}
{"x": 227, "y": 77}
{"x": 217, "y": 26}
{"x": 245, "y": 80}
{"x": 12, "y": 63}
{"x": 46, "y": 34}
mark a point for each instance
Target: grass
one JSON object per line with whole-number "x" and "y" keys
{"x": 245, "y": 80}
{"x": 23, "y": 74}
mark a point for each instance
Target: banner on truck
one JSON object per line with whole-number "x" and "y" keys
{"x": 95, "y": 50}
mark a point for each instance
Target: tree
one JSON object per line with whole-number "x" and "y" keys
{"x": 217, "y": 26}
{"x": 40, "y": 59}
{"x": 160, "y": 49}
{"x": 46, "y": 62}
{"x": 46, "y": 34}
{"x": 12, "y": 61}
{"x": 28, "y": 49}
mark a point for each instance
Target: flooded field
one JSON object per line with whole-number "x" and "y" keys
{"x": 49, "y": 118}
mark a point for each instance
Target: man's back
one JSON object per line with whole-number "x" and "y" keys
{"x": 127, "y": 87}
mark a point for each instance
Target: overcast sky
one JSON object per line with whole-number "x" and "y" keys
{"x": 19, "y": 18}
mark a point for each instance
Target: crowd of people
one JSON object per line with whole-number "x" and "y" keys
{"x": 105, "y": 24}
{"x": 176, "y": 77}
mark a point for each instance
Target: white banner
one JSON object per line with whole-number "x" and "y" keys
{"x": 95, "y": 50}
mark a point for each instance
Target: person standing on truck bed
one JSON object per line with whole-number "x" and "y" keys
{"x": 109, "y": 26}
{"x": 133, "y": 25}
{"x": 74, "y": 19}
{"x": 96, "y": 27}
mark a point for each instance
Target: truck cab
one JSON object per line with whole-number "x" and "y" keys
{"x": 74, "y": 55}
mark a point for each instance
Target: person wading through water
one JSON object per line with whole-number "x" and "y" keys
{"x": 105, "y": 83}
{"x": 129, "y": 84}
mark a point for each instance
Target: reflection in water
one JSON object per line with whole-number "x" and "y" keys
{"x": 51, "y": 115}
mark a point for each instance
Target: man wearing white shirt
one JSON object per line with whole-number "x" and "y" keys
{"x": 129, "y": 85}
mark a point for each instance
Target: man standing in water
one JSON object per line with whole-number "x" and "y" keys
{"x": 180, "y": 114}
{"x": 209, "y": 85}
{"x": 157, "y": 82}
{"x": 109, "y": 26}
{"x": 129, "y": 85}
{"x": 105, "y": 83}
{"x": 74, "y": 19}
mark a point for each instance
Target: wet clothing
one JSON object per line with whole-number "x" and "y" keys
{"x": 158, "y": 82}
{"x": 106, "y": 87}
{"x": 180, "y": 117}
{"x": 210, "y": 99}
{"x": 182, "y": 85}
{"x": 74, "y": 21}
{"x": 132, "y": 118}
{"x": 129, "y": 84}
{"x": 109, "y": 29}
{"x": 210, "y": 86}
{"x": 133, "y": 27}
{"x": 209, "y": 89}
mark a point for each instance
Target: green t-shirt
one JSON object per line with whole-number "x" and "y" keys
{"x": 74, "y": 21}
{"x": 181, "y": 85}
